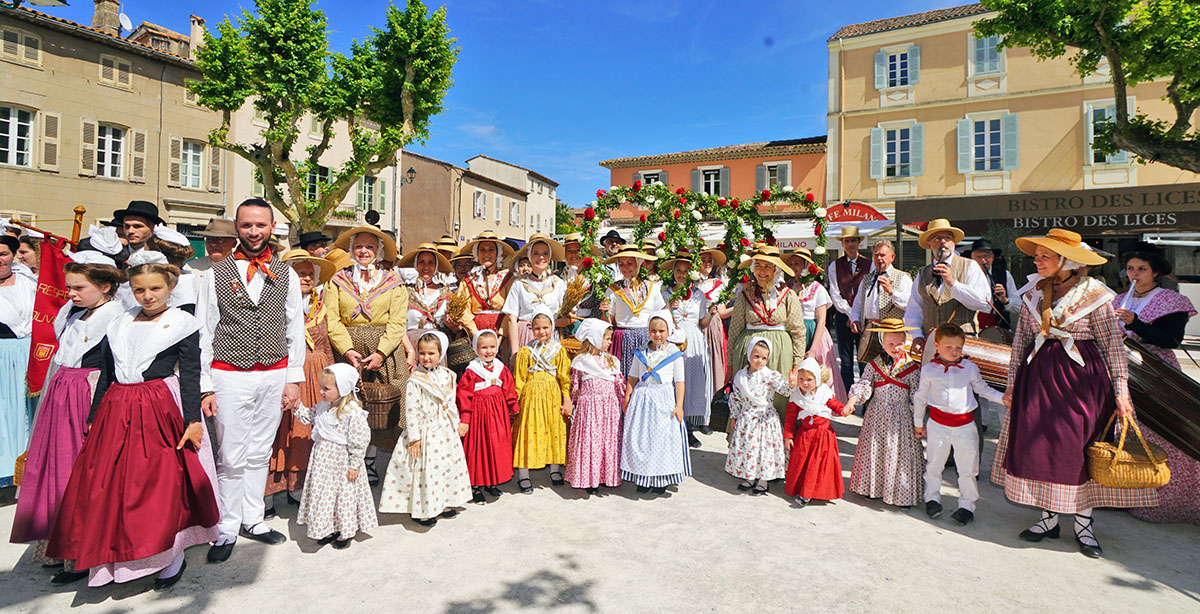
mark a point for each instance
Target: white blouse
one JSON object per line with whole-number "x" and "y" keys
{"x": 416, "y": 317}
{"x": 669, "y": 374}
{"x": 77, "y": 336}
{"x": 16, "y": 305}
{"x": 812, "y": 297}
{"x": 135, "y": 345}
{"x": 691, "y": 309}
{"x": 527, "y": 294}
{"x": 623, "y": 313}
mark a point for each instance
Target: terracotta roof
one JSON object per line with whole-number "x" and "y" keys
{"x": 908, "y": 21}
{"x": 537, "y": 175}
{"x": 810, "y": 145}
{"x": 71, "y": 27}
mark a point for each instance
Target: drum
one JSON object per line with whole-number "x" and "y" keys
{"x": 992, "y": 360}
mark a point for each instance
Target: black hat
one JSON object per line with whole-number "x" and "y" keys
{"x": 139, "y": 208}
{"x": 981, "y": 244}
{"x": 612, "y": 235}
{"x": 314, "y": 236}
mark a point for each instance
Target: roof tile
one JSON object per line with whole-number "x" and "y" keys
{"x": 812, "y": 144}
{"x": 908, "y": 21}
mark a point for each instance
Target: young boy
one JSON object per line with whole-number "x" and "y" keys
{"x": 948, "y": 387}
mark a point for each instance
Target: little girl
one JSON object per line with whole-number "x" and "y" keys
{"x": 543, "y": 387}
{"x": 486, "y": 399}
{"x": 336, "y": 503}
{"x": 654, "y": 449}
{"x": 815, "y": 469}
{"x": 598, "y": 392}
{"x": 427, "y": 477}
{"x": 756, "y": 441}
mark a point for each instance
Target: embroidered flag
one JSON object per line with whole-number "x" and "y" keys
{"x": 51, "y": 296}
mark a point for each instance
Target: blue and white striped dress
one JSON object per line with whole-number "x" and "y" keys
{"x": 654, "y": 449}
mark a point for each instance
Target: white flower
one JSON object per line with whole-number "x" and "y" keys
{"x": 694, "y": 275}
{"x": 660, "y": 253}
{"x": 650, "y": 200}
{"x": 594, "y": 203}
{"x": 787, "y": 188}
{"x": 818, "y": 250}
{"x": 612, "y": 188}
{"x": 696, "y": 214}
{"x": 819, "y": 212}
{"x": 656, "y": 182}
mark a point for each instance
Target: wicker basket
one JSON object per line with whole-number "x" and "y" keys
{"x": 572, "y": 346}
{"x": 460, "y": 353}
{"x": 1116, "y": 467}
{"x": 381, "y": 389}
{"x": 380, "y": 400}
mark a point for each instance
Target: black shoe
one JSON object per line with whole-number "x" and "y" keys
{"x": 477, "y": 495}
{"x": 525, "y": 485}
{"x": 962, "y": 516}
{"x": 1037, "y": 536}
{"x": 1088, "y": 550}
{"x": 220, "y": 554}
{"x": 661, "y": 490}
{"x": 643, "y": 489}
{"x": 449, "y": 513}
{"x": 425, "y": 522}
{"x": 493, "y": 490}
{"x": 759, "y": 489}
{"x": 342, "y": 544}
{"x": 327, "y": 539}
{"x": 745, "y": 485}
{"x": 270, "y": 538}
{"x": 51, "y": 565}
{"x": 693, "y": 441}
{"x": 707, "y": 430}
{"x": 591, "y": 491}
{"x": 799, "y": 501}
{"x": 557, "y": 481}
{"x": 269, "y": 513}
{"x": 162, "y": 584}
{"x": 294, "y": 501}
{"x": 933, "y": 509}
{"x": 68, "y": 577}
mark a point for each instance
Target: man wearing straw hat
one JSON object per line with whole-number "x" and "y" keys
{"x": 883, "y": 294}
{"x": 845, "y": 277}
{"x": 951, "y": 289}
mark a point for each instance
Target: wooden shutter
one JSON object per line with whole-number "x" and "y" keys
{"x": 51, "y": 127}
{"x": 697, "y": 180}
{"x": 916, "y": 150}
{"x": 725, "y": 181}
{"x": 880, "y": 70}
{"x": 214, "y": 169}
{"x": 381, "y": 196}
{"x": 108, "y": 70}
{"x": 87, "y": 147}
{"x": 175, "y": 162}
{"x": 784, "y": 179}
{"x": 964, "y": 146}
{"x": 11, "y": 47}
{"x": 33, "y": 49}
{"x": 124, "y": 78}
{"x": 1010, "y": 144}
{"x": 876, "y": 153}
{"x": 137, "y": 156}
{"x": 914, "y": 64}
{"x": 760, "y": 178}
{"x": 663, "y": 178}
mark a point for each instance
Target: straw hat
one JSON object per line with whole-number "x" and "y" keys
{"x": 684, "y": 254}
{"x": 557, "y": 253}
{"x": 629, "y": 251}
{"x": 409, "y": 260}
{"x": 850, "y": 232}
{"x": 460, "y": 256}
{"x": 890, "y": 325}
{"x": 389, "y": 246}
{"x": 939, "y": 225}
{"x": 505, "y": 250}
{"x": 767, "y": 253}
{"x": 576, "y": 237}
{"x": 447, "y": 244}
{"x": 804, "y": 253}
{"x": 649, "y": 244}
{"x": 325, "y": 268}
{"x": 339, "y": 258}
{"x": 1064, "y": 243}
{"x": 719, "y": 257}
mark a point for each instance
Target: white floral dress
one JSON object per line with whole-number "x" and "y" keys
{"x": 756, "y": 449}
{"x": 331, "y": 502}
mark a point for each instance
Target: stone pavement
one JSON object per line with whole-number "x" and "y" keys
{"x": 705, "y": 548}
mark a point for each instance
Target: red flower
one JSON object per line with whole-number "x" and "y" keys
{"x": 680, "y": 191}
{"x": 676, "y": 213}
{"x": 643, "y": 217}
{"x": 662, "y": 236}
{"x": 600, "y": 193}
{"x": 771, "y": 240}
{"x": 808, "y": 198}
{"x": 745, "y": 278}
{"x": 589, "y": 214}
{"x": 813, "y": 270}
{"x": 637, "y": 185}
{"x": 682, "y": 201}
{"x": 745, "y": 242}
{"x": 721, "y": 202}
{"x": 766, "y": 195}
{"x": 587, "y": 263}
{"x": 818, "y": 230}
{"x": 736, "y": 202}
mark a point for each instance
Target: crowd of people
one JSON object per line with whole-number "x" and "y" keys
{"x": 187, "y": 393}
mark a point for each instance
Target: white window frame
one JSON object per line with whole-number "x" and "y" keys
{"x": 898, "y": 165}
{"x": 312, "y": 191}
{"x": 479, "y": 209}
{"x": 21, "y": 46}
{"x": 191, "y": 152}
{"x": 888, "y": 68}
{"x": 12, "y": 120}
{"x": 365, "y": 193}
{"x": 118, "y": 65}
{"x": 988, "y": 117}
{"x": 514, "y": 213}
{"x": 776, "y": 164}
{"x": 110, "y": 164}
{"x": 1089, "y": 107}
{"x": 972, "y": 56}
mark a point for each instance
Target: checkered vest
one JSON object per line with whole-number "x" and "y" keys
{"x": 940, "y": 307}
{"x": 249, "y": 334}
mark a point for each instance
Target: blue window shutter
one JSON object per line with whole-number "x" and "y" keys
{"x": 637, "y": 177}
{"x": 725, "y": 181}
{"x": 663, "y": 178}
{"x": 697, "y": 183}
{"x": 964, "y": 146}
{"x": 1011, "y": 147}
{"x": 760, "y": 178}
{"x": 783, "y": 175}
{"x": 1122, "y": 156}
{"x": 916, "y": 154}
{"x": 876, "y": 153}
{"x": 880, "y": 70}
{"x": 914, "y": 64}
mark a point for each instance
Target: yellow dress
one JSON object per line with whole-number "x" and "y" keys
{"x": 543, "y": 382}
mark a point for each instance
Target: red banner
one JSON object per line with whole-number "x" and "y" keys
{"x": 51, "y": 296}
{"x": 854, "y": 212}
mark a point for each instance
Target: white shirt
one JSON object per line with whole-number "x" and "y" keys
{"x": 209, "y": 316}
{"x": 974, "y": 294}
{"x": 839, "y": 302}
{"x": 624, "y": 316}
{"x": 669, "y": 374}
{"x": 817, "y": 296}
{"x": 866, "y": 302}
{"x": 523, "y": 295}
{"x": 135, "y": 345}
{"x": 949, "y": 389}
{"x": 16, "y": 305}
{"x": 416, "y": 318}
{"x": 77, "y": 336}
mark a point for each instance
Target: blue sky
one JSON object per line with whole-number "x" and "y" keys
{"x": 559, "y": 86}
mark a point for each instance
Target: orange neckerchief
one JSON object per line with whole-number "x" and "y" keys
{"x": 263, "y": 260}
{"x": 1047, "y": 287}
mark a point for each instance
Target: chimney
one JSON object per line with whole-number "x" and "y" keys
{"x": 195, "y": 36}
{"x": 105, "y": 17}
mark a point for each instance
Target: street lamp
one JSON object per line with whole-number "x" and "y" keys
{"x": 411, "y": 175}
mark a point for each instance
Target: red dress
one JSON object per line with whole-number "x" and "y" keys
{"x": 815, "y": 468}
{"x": 488, "y": 444}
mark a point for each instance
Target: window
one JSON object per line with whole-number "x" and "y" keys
{"x": 193, "y": 154}
{"x": 1099, "y": 113}
{"x": 899, "y": 151}
{"x": 987, "y": 145}
{"x": 16, "y": 137}
{"x": 987, "y": 55}
{"x": 315, "y": 179}
{"x": 20, "y": 47}
{"x": 498, "y": 207}
{"x": 987, "y": 142}
{"x": 480, "y": 204}
{"x": 315, "y": 127}
{"x": 649, "y": 178}
{"x": 110, "y": 151}
{"x": 260, "y": 117}
{"x": 365, "y": 198}
{"x": 514, "y": 213}
{"x": 774, "y": 175}
{"x": 712, "y": 182}
{"x": 115, "y": 72}
{"x": 897, "y": 69}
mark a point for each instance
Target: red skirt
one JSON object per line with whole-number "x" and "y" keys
{"x": 815, "y": 468}
{"x": 488, "y": 444}
{"x": 130, "y": 490}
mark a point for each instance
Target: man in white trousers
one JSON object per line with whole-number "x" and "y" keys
{"x": 252, "y": 359}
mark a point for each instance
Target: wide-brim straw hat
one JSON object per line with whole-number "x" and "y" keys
{"x": 939, "y": 225}
{"x": 804, "y": 253}
{"x": 461, "y": 255}
{"x": 219, "y": 228}
{"x": 849, "y": 232}
{"x": 340, "y": 258}
{"x": 557, "y": 252}
{"x": 1065, "y": 243}
{"x": 576, "y": 237}
{"x": 649, "y": 244}
{"x": 505, "y": 250}
{"x": 409, "y": 260}
{"x": 719, "y": 257}
{"x": 447, "y": 244}
{"x": 389, "y": 245}
{"x": 767, "y": 253}
{"x": 890, "y": 325}
{"x": 668, "y": 262}
{"x": 325, "y": 267}
{"x": 629, "y": 251}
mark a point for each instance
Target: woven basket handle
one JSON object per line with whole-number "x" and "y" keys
{"x": 1126, "y": 423}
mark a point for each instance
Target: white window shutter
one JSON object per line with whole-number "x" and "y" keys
{"x": 914, "y": 64}
{"x": 1010, "y": 145}
{"x": 725, "y": 182}
{"x": 916, "y": 150}
{"x": 175, "y": 163}
{"x": 87, "y": 147}
{"x": 760, "y": 178}
{"x": 1122, "y": 156}
{"x": 214, "y": 169}
{"x": 876, "y": 153}
{"x": 137, "y": 156}
{"x": 51, "y": 129}
{"x": 880, "y": 70}
{"x": 381, "y": 196}
{"x": 964, "y": 146}
{"x": 663, "y": 178}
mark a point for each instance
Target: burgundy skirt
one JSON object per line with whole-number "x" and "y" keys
{"x": 131, "y": 491}
{"x": 1058, "y": 408}
{"x": 815, "y": 468}
{"x": 488, "y": 445}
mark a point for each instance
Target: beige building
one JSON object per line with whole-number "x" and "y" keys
{"x": 538, "y": 213}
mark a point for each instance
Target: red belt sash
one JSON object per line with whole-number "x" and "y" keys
{"x": 887, "y": 379}
{"x": 224, "y": 366}
{"x": 948, "y": 419}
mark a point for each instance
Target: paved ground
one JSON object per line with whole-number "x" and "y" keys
{"x": 705, "y": 548}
